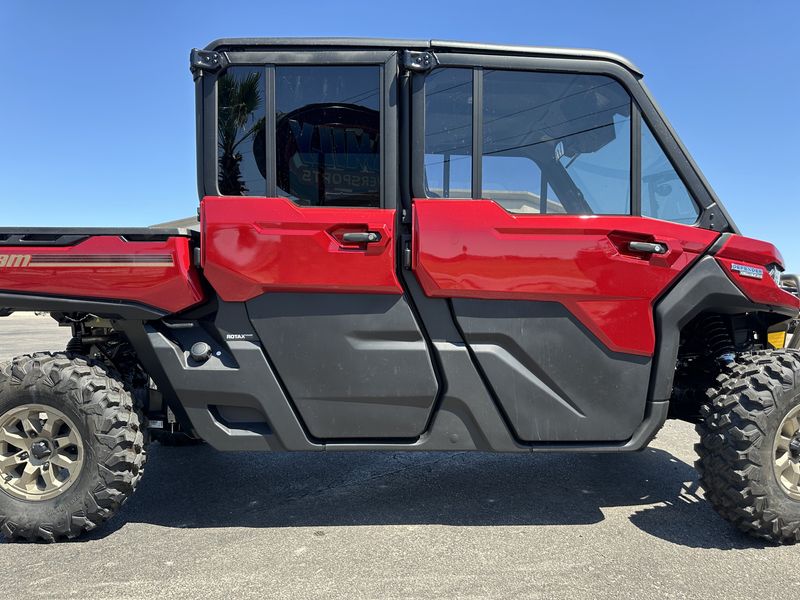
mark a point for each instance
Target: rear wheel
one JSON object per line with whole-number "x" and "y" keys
{"x": 749, "y": 450}
{"x": 71, "y": 447}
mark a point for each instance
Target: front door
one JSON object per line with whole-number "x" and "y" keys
{"x": 303, "y": 232}
{"x": 528, "y": 218}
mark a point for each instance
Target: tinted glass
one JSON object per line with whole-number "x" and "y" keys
{"x": 664, "y": 195}
{"x": 563, "y": 136}
{"x": 448, "y": 133}
{"x": 328, "y": 135}
{"x": 240, "y": 132}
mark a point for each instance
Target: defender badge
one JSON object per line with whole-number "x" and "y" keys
{"x": 745, "y": 271}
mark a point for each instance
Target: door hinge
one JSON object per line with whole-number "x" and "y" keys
{"x": 206, "y": 60}
{"x": 414, "y": 60}
{"x": 407, "y": 255}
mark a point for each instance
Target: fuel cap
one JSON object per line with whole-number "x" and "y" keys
{"x": 200, "y": 351}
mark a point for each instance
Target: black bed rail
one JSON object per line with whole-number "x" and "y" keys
{"x": 69, "y": 236}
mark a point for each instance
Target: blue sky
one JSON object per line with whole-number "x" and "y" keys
{"x": 97, "y": 106}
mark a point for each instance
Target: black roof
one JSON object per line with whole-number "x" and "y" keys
{"x": 244, "y": 44}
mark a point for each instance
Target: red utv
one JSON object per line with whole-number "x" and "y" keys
{"x": 408, "y": 245}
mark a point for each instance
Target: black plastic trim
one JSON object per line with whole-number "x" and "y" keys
{"x": 477, "y": 133}
{"x": 719, "y": 243}
{"x": 70, "y": 236}
{"x": 104, "y": 308}
{"x": 205, "y": 61}
{"x": 704, "y": 288}
{"x": 443, "y": 46}
{"x": 636, "y": 161}
{"x": 371, "y": 370}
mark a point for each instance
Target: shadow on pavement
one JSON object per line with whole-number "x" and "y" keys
{"x": 200, "y": 487}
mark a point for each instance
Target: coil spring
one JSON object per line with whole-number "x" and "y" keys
{"x": 718, "y": 338}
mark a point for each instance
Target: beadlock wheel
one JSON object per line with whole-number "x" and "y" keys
{"x": 72, "y": 449}
{"x": 749, "y": 449}
{"x": 41, "y": 452}
{"x": 787, "y": 454}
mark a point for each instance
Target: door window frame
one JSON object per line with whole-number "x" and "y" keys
{"x": 386, "y": 60}
{"x": 642, "y": 107}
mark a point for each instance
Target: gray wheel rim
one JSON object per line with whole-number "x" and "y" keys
{"x": 787, "y": 453}
{"x": 41, "y": 452}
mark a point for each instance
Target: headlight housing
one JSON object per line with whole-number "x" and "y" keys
{"x": 775, "y": 272}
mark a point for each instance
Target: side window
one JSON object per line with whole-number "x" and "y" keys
{"x": 328, "y": 135}
{"x": 240, "y": 129}
{"x": 664, "y": 195}
{"x": 556, "y": 143}
{"x": 448, "y": 133}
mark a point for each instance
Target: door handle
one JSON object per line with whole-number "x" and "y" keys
{"x": 361, "y": 237}
{"x": 648, "y": 247}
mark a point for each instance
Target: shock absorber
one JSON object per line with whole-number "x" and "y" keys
{"x": 75, "y": 344}
{"x": 718, "y": 338}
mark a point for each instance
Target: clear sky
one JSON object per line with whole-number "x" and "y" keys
{"x": 97, "y": 105}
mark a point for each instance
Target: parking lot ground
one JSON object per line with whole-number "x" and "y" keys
{"x": 205, "y": 524}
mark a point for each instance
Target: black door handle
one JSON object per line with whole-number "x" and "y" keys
{"x": 649, "y": 247}
{"x": 362, "y": 237}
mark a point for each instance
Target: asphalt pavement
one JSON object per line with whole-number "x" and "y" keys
{"x": 205, "y": 524}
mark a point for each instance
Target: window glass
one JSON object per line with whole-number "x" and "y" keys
{"x": 448, "y": 133}
{"x": 664, "y": 195}
{"x": 328, "y": 135}
{"x": 240, "y": 132}
{"x": 561, "y": 135}
{"x": 517, "y": 184}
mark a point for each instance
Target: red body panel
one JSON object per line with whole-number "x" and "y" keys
{"x": 157, "y": 273}
{"x": 475, "y": 249}
{"x": 747, "y": 252}
{"x": 255, "y": 245}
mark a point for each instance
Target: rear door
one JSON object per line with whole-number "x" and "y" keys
{"x": 528, "y": 217}
{"x": 303, "y": 233}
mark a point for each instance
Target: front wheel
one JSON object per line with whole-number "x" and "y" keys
{"x": 71, "y": 446}
{"x": 749, "y": 450}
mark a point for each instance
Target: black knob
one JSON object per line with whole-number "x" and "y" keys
{"x": 200, "y": 351}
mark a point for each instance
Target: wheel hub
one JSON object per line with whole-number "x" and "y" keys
{"x": 794, "y": 447}
{"x": 787, "y": 453}
{"x": 41, "y": 452}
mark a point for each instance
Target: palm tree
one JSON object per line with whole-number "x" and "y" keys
{"x": 238, "y": 99}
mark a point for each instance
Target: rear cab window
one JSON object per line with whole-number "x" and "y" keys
{"x": 327, "y": 134}
{"x": 327, "y": 143}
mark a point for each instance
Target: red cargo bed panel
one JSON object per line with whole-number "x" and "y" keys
{"x": 154, "y": 273}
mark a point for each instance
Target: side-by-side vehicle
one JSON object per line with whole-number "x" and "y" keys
{"x": 408, "y": 245}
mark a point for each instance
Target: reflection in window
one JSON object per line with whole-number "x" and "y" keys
{"x": 516, "y": 183}
{"x": 573, "y": 132}
{"x": 664, "y": 195}
{"x": 240, "y": 127}
{"x": 448, "y": 133}
{"x": 328, "y": 135}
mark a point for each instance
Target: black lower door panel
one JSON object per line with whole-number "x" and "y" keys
{"x": 355, "y": 365}
{"x": 554, "y": 380}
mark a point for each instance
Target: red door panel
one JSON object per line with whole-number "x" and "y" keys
{"x": 255, "y": 245}
{"x": 476, "y": 249}
{"x": 155, "y": 273}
